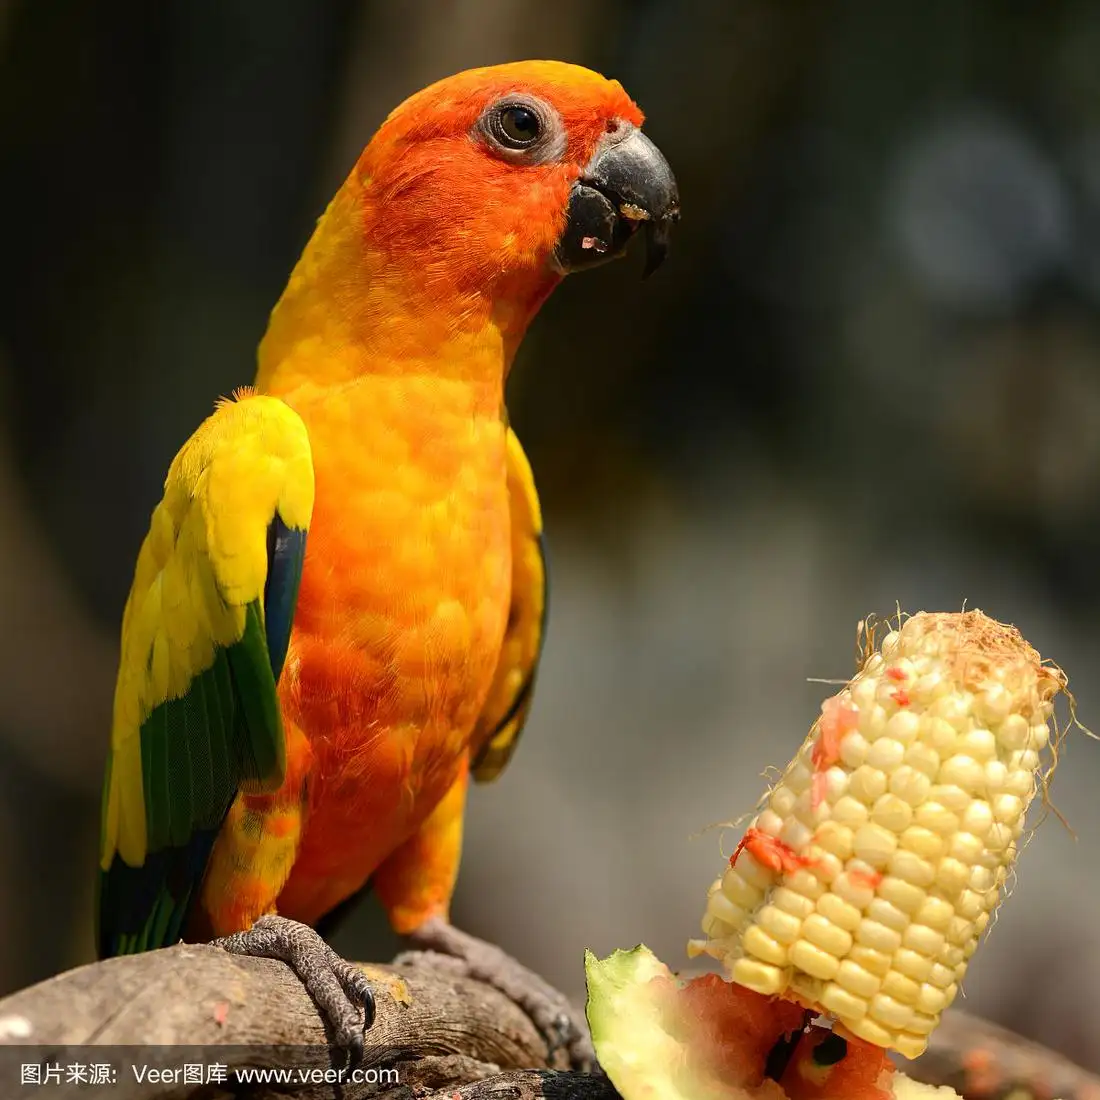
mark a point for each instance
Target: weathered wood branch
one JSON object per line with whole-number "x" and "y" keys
{"x": 980, "y": 1060}
{"x": 435, "y": 1030}
{"x": 436, "y": 1035}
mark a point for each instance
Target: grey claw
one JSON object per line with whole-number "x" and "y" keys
{"x": 560, "y": 1033}
{"x": 338, "y": 988}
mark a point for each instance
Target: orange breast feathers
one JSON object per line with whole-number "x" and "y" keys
{"x": 400, "y": 620}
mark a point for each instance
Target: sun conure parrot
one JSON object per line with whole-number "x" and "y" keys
{"x": 338, "y": 610}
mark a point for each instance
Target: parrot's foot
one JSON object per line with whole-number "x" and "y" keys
{"x": 561, "y": 1024}
{"x": 340, "y": 989}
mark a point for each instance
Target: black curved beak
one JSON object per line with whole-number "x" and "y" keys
{"x": 628, "y": 185}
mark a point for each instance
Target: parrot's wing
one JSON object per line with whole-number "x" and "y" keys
{"x": 204, "y": 637}
{"x": 505, "y": 711}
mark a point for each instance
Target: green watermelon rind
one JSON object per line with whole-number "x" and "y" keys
{"x": 642, "y": 1060}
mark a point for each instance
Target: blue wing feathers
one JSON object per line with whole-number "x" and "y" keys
{"x": 286, "y": 548}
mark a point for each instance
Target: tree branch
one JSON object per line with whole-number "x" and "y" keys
{"x": 434, "y": 1029}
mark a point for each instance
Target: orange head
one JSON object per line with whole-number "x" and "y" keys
{"x": 474, "y": 197}
{"x": 481, "y": 172}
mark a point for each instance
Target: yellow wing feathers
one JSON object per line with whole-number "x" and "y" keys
{"x": 505, "y": 711}
{"x": 203, "y": 563}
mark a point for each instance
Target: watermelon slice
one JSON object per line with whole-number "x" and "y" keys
{"x": 661, "y": 1038}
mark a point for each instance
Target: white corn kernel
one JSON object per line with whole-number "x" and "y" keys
{"x": 885, "y": 755}
{"x": 924, "y": 758}
{"x": 783, "y": 800}
{"x": 949, "y": 795}
{"x": 966, "y": 774}
{"x": 850, "y": 812}
{"x": 932, "y": 815}
{"x": 922, "y": 842}
{"x": 867, "y": 784}
{"x": 1013, "y": 733}
{"x": 941, "y": 735}
{"x": 853, "y": 750}
{"x": 892, "y": 813}
{"x": 976, "y": 819}
{"x": 979, "y": 744}
{"x": 910, "y": 785}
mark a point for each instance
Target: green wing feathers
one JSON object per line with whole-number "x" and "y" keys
{"x": 505, "y": 712}
{"x": 204, "y": 635}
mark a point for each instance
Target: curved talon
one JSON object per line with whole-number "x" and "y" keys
{"x": 339, "y": 989}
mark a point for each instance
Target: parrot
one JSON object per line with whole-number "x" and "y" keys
{"x": 338, "y": 610}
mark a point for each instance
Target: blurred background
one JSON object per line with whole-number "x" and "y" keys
{"x": 869, "y": 373}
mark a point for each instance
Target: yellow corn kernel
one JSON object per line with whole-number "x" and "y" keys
{"x": 863, "y": 886}
{"x": 912, "y": 964}
{"x": 902, "y": 989}
{"x": 782, "y": 927}
{"x": 886, "y": 1010}
{"x": 841, "y": 1003}
{"x": 875, "y": 962}
{"x": 759, "y": 945}
{"x": 854, "y": 979}
{"x": 720, "y": 906}
{"x": 870, "y": 1031}
{"x": 909, "y": 1045}
{"x": 759, "y": 976}
{"x": 739, "y": 891}
{"x": 813, "y": 960}
{"x": 874, "y": 845}
{"x": 837, "y": 911}
{"x": 822, "y": 933}
{"x": 798, "y": 905}
{"x": 904, "y": 895}
{"x": 715, "y": 928}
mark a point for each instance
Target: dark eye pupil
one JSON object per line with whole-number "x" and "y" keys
{"x": 520, "y": 125}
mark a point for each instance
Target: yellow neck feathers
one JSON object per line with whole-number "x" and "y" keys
{"x": 354, "y": 307}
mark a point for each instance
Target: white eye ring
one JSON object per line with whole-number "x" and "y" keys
{"x": 503, "y": 124}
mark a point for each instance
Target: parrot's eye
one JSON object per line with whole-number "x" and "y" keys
{"x": 524, "y": 128}
{"x": 519, "y": 126}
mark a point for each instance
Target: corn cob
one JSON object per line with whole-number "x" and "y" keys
{"x": 862, "y": 887}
